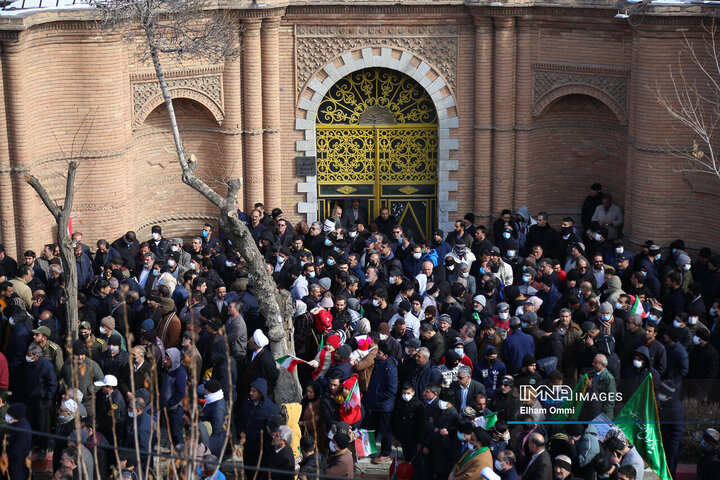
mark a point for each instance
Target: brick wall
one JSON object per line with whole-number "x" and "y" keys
{"x": 547, "y": 100}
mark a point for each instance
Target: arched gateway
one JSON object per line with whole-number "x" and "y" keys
{"x": 377, "y": 141}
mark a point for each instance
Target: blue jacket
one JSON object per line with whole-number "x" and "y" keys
{"x": 253, "y": 417}
{"x": 515, "y": 347}
{"x": 18, "y": 344}
{"x": 428, "y": 374}
{"x": 19, "y": 446}
{"x": 489, "y": 375}
{"x": 550, "y": 299}
{"x": 40, "y": 380}
{"x": 84, "y": 271}
{"x": 342, "y": 368}
{"x": 174, "y": 382}
{"x": 678, "y": 363}
{"x": 144, "y": 434}
{"x": 383, "y": 385}
{"x": 215, "y": 414}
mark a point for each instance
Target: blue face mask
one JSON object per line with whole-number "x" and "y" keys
{"x": 328, "y": 242}
{"x": 527, "y": 278}
{"x": 524, "y": 325}
{"x": 204, "y": 234}
{"x": 330, "y": 262}
{"x": 606, "y": 317}
{"x": 311, "y": 274}
{"x": 461, "y": 436}
{"x": 302, "y": 263}
{"x": 506, "y": 234}
{"x": 155, "y": 272}
{"x": 657, "y": 257}
{"x": 482, "y": 270}
{"x": 281, "y": 259}
{"x": 229, "y": 264}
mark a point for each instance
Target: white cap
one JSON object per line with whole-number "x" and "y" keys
{"x": 108, "y": 381}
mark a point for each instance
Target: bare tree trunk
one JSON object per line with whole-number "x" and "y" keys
{"x": 265, "y": 289}
{"x": 62, "y": 218}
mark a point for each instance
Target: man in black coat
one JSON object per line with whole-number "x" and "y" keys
{"x": 540, "y": 464}
{"x": 128, "y": 247}
{"x": 465, "y": 388}
{"x": 281, "y": 456}
{"x": 260, "y": 364}
{"x": 40, "y": 387}
{"x": 671, "y": 413}
{"x": 406, "y": 423}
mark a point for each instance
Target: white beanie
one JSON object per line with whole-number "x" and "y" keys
{"x": 260, "y": 339}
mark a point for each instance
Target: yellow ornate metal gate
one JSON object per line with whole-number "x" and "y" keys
{"x": 377, "y": 141}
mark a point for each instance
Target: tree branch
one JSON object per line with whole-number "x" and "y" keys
{"x": 55, "y": 210}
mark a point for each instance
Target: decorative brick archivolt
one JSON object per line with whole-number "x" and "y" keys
{"x": 203, "y": 87}
{"x": 552, "y": 82}
{"x": 420, "y": 69}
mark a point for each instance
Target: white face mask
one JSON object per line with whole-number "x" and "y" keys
{"x": 391, "y": 279}
{"x": 619, "y": 250}
{"x": 331, "y": 445}
{"x": 511, "y": 253}
{"x": 687, "y": 266}
{"x": 103, "y": 330}
{"x": 443, "y": 405}
{"x": 29, "y": 359}
{"x": 662, "y": 398}
{"x": 407, "y": 396}
{"x": 713, "y": 311}
{"x": 156, "y": 236}
{"x": 598, "y": 237}
{"x": 504, "y": 315}
{"x": 692, "y": 320}
{"x": 464, "y": 274}
{"x": 175, "y": 248}
{"x": 637, "y": 363}
{"x": 383, "y": 337}
{"x": 352, "y": 234}
{"x": 11, "y": 320}
{"x": 9, "y": 419}
{"x": 114, "y": 349}
{"x": 171, "y": 262}
{"x": 677, "y": 324}
{"x": 131, "y": 414}
{"x": 376, "y": 302}
{"x": 407, "y": 351}
{"x": 460, "y": 351}
{"x": 498, "y": 465}
{"x": 417, "y": 255}
{"x": 696, "y": 340}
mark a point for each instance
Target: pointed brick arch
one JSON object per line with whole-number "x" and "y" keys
{"x": 402, "y": 61}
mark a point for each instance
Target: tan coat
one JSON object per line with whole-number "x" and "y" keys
{"x": 364, "y": 369}
{"x": 472, "y": 468}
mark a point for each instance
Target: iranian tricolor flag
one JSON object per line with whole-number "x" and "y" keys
{"x": 353, "y": 398}
{"x": 365, "y": 443}
{"x": 289, "y": 362}
{"x": 638, "y": 308}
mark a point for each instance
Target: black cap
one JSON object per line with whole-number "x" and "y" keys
{"x": 595, "y": 186}
{"x": 276, "y": 212}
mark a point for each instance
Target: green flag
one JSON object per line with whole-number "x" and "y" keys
{"x": 639, "y": 422}
{"x": 574, "y": 403}
{"x": 490, "y": 421}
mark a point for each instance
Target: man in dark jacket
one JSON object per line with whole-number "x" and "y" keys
{"x": 406, "y": 422}
{"x": 465, "y": 388}
{"x": 313, "y": 461}
{"x": 174, "y": 388}
{"x": 704, "y": 365}
{"x": 215, "y": 412}
{"x": 19, "y": 443}
{"x": 40, "y": 387}
{"x": 252, "y": 419}
{"x": 128, "y": 247}
{"x": 506, "y": 400}
{"x": 516, "y": 346}
{"x": 426, "y": 371}
{"x": 281, "y": 457}
{"x": 380, "y": 399}
{"x": 109, "y": 400}
{"x": 671, "y": 414}
{"x": 433, "y": 341}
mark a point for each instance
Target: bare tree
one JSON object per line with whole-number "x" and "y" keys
{"x": 694, "y": 101}
{"x": 62, "y": 219}
{"x": 179, "y": 30}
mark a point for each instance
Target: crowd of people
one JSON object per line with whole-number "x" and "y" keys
{"x": 424, "y": 342}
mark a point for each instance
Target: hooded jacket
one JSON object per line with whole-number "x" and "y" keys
{"x": 253, "y": 417}
{"x": 523, "y": 228}
{"x": 633, "y": 377}
{"x": 174, "y": 383}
